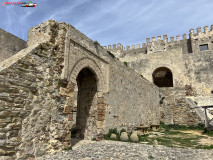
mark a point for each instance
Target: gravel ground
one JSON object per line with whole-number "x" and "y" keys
{"x": 108, "y": 150}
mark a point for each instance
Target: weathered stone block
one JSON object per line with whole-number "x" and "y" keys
{"x": 69, "y": 117}
{"x": 70, "y": 101}
{"x": 71, "y": 87}
{"x": 2, "y": 135}
{"x": 101, "y": 100}
{"x": 99, "y": 124}
{"x": 5, "y": 120}
{"x": 68, "y": 137}
{"x": 65, "y": 92}
{"x": 4, "y": 113}
{"x": 2, "y": 152}
{"x": 47, "y": 83}
{"x": 67, "y": 109}
{"x": 2, "y": 143}
{"x": 66, "y": 144}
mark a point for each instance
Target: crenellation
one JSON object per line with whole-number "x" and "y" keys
{"x": 178, "y": 37}
{"x": 199, "y": 31}
{"x": 184, "y": 36}
{"x": 206, "y": 29}
{"x": 119, "y": 50}
{"x": 119, "y": 46}
{"x": 165, "y": 38}
{"x": 127, "y": 48}
{"x": 172, "y": 39}
{"x": 211, "y": 28}
{"x": 191, "y": 33}
{"x": 147, "y": 40}
{"x": 153, "y": 39}
{"x": 159, "y": 43}
{"x": 133, "y": 46}
{"x": 123, "y": 49}
{"x": 159, "y": 38}
{"x": 114, "y": 46}
{"x": 201, "y": 34}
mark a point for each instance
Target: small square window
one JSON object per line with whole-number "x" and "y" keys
{"x": 204, "y": 47}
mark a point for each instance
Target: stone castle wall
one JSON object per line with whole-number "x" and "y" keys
{"x": 45, "y": 88}
{"x": 40, "y": 88}
{"x": 118, "y": 83}
{"x": 183, "y": 57}
{"x": 10, "y": 45}
{"x": 163, "y": 43}
{"x": 191, "y": 69}
{"x": 148, "y": 63}
{"x": 176, "y": 110}
{"x": 199, "y": 68}
{"x": 131, "y": 100}
{"x": 32, "y": 118}
{"x": 194, "y": 69}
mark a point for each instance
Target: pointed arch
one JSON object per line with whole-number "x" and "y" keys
{"x": 93, "y": 66}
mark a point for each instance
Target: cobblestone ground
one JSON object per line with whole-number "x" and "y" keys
{"x": 107, "y": 150}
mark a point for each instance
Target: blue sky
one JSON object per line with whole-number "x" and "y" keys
{"x": 112, "y": 21}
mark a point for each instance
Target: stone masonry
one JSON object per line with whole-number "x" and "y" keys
{"x": 64, "y": 84}
{"x": 184, "y": 64}
{"x": 10, "y": 45}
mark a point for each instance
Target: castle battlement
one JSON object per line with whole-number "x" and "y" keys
{"x": 120, "y": 47}
{"x": 163, "y": 43}
{"x": 165, "y": 38}
{"x": 200, "y": 34}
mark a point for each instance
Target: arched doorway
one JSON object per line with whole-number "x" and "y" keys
{"x": 85, "y": 125}
{"x": 162, "y": 77}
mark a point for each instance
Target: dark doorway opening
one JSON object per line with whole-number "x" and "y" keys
{"x": 162, "y": 77}
{"x": 85, "y": 119}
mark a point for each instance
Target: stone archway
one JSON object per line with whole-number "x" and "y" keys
{"x": 93, "y": 66}
{"x": 85, "y": 122}
{"x": 162, "y": 77}
{"x": 86, "y": 88}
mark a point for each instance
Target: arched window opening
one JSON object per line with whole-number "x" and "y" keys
{"x": 162, "y": 77}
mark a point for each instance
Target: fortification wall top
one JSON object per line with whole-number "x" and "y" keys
{"x": 200, "y": 39}
{"x": 162, "y": 43}
{"x": 206, "y": 32}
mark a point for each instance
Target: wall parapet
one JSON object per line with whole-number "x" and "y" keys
{"x": 162, "y": 43}
{"x": 119, "y": 46}
{"x": 199, "y": 34}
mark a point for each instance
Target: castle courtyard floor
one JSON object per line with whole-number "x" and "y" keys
{"x": 107, "y": 150}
